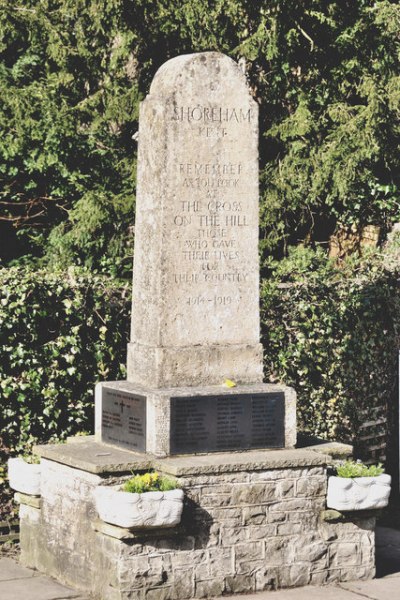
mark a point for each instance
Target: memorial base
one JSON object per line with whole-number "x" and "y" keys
{"x": 251, "y": 521}
{"x": 195, "y": 420}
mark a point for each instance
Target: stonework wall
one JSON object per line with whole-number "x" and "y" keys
{"x": 240, "y": 532}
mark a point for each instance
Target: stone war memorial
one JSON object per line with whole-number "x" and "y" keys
{"x": 194, "y": 405}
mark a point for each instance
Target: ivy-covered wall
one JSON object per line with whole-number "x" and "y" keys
{"x": 60, "y": 333}
{"x": 333, "y": 333}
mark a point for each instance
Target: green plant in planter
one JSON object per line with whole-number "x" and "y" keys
{"x": 150, "y": 482}
{"x": 31, "y": 459}
{"x": 350, "y": 469}
{"x": 358, "y": 487}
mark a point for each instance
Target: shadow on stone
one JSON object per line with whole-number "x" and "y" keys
{"x": 197, "y": 523}
{"x": 387, "y": 552}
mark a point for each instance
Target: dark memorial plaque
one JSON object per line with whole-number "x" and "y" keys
{"x": 124, "y": 419}
{"x": 221, "y": 423}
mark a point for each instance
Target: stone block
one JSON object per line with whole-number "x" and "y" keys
{"x": 276, "y": 551}
{"x": 333, "y": 575}
{"x": 313, "y": 552}
{"x": 201, "y": 571}
{"x": 276, "y": 517}
{"x": 311, "y": 486}
{"x": 295, "y": 575}
{"x": 319, "y": 577}
{"x": 289, "y": 528}
{"x": 249, "y": 567}
{"x": 261, "y": 532}
{"x": 307, "y": 518}
{"x": 185, "y": 191}
{"x": 344, "y": 554}
{"x": 266, "y": 579}
{"x": 285, "y": 488}
{"x": 254, "y": 494}
{"x": 158, "y": 593}
{"x": 254, "y": 515}
{"x": 164, "y": 417}
{"x": 357, "y": 573}
{"x": 232, "y": 515}
{"x": 221, "y": 561}
{"x": 111, "y": 593}
{"x": 183, "y": 584}
{"x": 231, "y": 536}
{"x": 292, "y": 505}
{"x": 209, "y": 588}
{"x": 184, "y": 559}
{"x": 239, "y": 584}
{"x": 34, "y": 501}
{"x": 249, "y": 551}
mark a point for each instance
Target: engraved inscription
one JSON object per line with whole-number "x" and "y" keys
{"x": 124, "y": 419}
{"x": 212, "y": 114}
{"x": 221, "y": 423}
{"x": 207, "y": 229}
{"x": 211, "y": 218}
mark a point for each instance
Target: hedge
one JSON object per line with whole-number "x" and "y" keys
{"x": 60, "y": 333}
{"x": 330, "y": 331}
{"x": 333, "y": 333}
{"x": 72, "y": 73}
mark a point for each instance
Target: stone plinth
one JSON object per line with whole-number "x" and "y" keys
{"x": 249, "y": 524}
{"x": 194, "y": 420}
{"x": 195, "y": 311}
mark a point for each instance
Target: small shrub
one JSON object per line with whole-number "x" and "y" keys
{"x": 350, "y": 469}
{"x": 150, "y": 482}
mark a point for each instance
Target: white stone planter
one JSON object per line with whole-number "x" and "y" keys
{"x": 150, "y": 509}
{"x": 24, "y": 477}
{"x": 358, "y": 493}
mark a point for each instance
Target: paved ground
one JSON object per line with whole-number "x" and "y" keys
{"x": 19, "y": 583}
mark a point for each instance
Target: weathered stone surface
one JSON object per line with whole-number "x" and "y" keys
{"x": 24, "y": 477}
{"x": 218, "y": 549}
{"x": 27, "y": 499}
{"x": 195, "y": 310}
{"x": 360, "y": 493}
{"x": 209, "y": 588}
{"x": 336, "y": 450}
{"x": 264, "y": 408}
{"x": 266, "y": 579}
{"x": 122, "y": 533}
{"x": 93, "y": 457}
{"x": 154, "y": 509}
{"x": 239, "y": 584}
{"x": 255, "y": 460}
{"x": 196, "y": 232}
{"x": 261, "y": 465}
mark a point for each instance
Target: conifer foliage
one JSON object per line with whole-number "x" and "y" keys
{"x": 72, "y": 73}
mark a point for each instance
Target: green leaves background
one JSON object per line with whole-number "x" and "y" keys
{"x": 72, "y": 72}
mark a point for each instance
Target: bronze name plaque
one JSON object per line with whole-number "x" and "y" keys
{"x": 229, "y": 422}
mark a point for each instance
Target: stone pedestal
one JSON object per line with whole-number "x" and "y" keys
{"x": 195, "y": 309}
{"x": 194, "y": 420}
{"x": 252, "y": 521}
